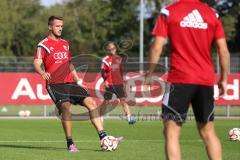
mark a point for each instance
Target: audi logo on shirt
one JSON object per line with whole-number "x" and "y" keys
{"x": 59, "y": 56}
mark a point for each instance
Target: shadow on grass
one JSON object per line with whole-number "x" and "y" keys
{"x": 43, "y": 147}
{"x": 30, "y": 147}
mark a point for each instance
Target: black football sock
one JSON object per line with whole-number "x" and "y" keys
{"x": 102, "y": 134}
{"x": 69, "y": 141}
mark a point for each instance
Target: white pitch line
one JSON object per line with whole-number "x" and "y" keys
{"x": 87, "y": 141}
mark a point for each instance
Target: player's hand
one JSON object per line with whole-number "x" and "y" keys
{"x": 147, "y": 85}
{"x": 46, "y": 76}
{"x": 80, "y": 83}
{"x": 148, "y": 79}
{"x": 222, "y": 85}
{"x": 106, "y": 84}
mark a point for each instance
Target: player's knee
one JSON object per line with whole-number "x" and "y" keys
{"x": 91, "y": 104}
{"x": 123, "y": 102}
{"x": 66, "y": 107}
{"x": 206, "y": 134}
{"x": 171, "y": 130}
{"x": 170, "y": 135}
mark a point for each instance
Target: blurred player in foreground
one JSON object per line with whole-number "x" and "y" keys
{"x": 112, "y": 74}
{"x": 192, "y": 27}
{"x": 62, "y": 80}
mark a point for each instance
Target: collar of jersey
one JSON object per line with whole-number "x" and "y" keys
{"x": 53, "y": 39}
{"x": 190, "y": 0}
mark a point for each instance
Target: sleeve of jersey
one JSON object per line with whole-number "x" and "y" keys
{"x": 70, "y": 58}
{"x": 219, "y": 33}
{"x": 40, "y": 53}
{"x": 104, "y": 67}
{"x": 161, "y": 28}
{"x": 103, "y": 71}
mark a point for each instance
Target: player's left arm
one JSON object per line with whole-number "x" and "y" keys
{"x": 224, "y": 62}
{"x": 74, "y": 73}
{"x": 224, "y": 56}
{"x": 123, "y": 66}
{"x": 73, "y": 70}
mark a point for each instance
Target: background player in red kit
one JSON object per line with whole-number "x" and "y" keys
{"x": 112, "y": 74}
{"x": 61, "y": 79}
{"x": 191, "y": 27}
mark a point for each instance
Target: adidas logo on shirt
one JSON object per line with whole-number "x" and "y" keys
{"x": 194, "y": 20}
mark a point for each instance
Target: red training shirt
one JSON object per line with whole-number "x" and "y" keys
{"x": 191, "y": 27}
{"x": 56, "y": 58}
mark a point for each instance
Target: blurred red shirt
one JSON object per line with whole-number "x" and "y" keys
{"x": 112, "y": 65}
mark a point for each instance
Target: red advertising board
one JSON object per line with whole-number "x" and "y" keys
{"x": 29, "y": 89}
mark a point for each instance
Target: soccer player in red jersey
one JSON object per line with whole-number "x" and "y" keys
{"x": 62, "y": 80}
{"x": 191, "y": 27}
{"x": 112, "y": 74}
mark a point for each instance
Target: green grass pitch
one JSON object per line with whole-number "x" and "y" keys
{"x": 25, "y": 139}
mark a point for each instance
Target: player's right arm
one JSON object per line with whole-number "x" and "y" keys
{"x": 154, "y": 56}
{"x": 160, "y": 32}
{"x": 37, "y": 63}
{"x": 104, "y": 74}
{"x": 155, "y": 53}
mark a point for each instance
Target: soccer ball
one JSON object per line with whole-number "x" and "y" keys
{"x": 21, "y": 113}
{"x": 234, "y": 134}
{"x": 27, "y": 113}
{"x": 109, "y": 143}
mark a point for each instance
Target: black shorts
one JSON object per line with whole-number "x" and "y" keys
{"x": 178, "y": 97}
{"x": 118, "y": 90}
{"x": 67, "y": 92}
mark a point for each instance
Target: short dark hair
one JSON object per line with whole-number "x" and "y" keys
{"x": 52, "y": 18}
{"x": 106, "y": 46}
{"x": 113, "y": 43}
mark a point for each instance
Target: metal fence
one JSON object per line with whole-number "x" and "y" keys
{"x": 24, "y": 64}
{"x": 144, "y": 113}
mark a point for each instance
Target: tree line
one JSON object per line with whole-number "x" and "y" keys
{"x": 88, "y": 24}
